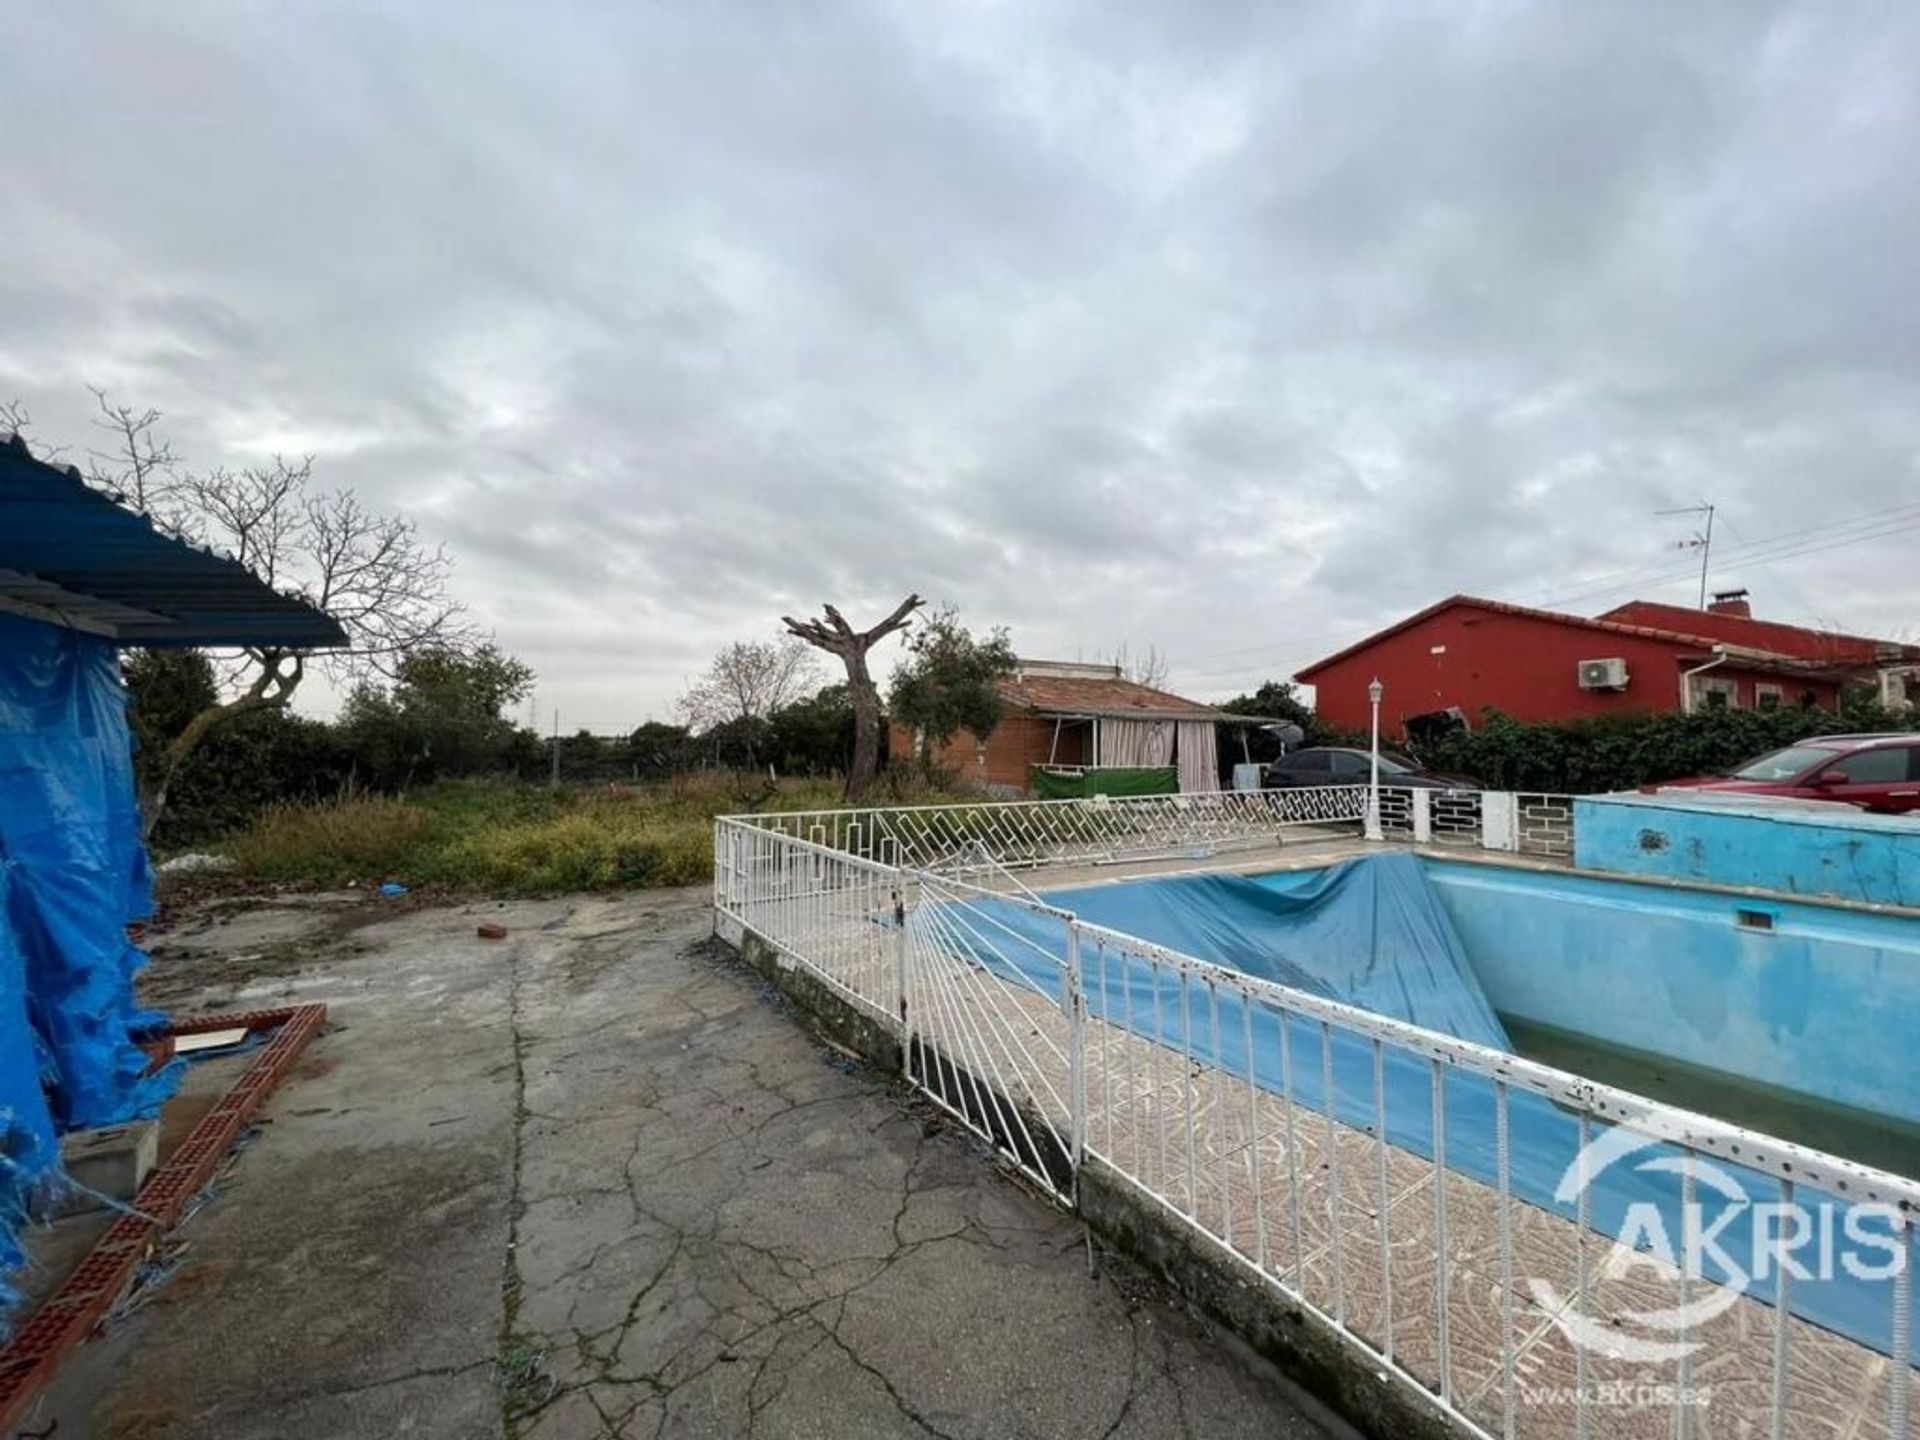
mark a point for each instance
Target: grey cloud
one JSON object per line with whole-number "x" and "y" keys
{"x": 1229, "y": 329}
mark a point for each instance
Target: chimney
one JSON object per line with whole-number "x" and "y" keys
{"x": 1731, "y": 602}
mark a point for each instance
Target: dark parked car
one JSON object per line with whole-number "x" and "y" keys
{"x": 1338, "y": 765}
{"x": 1875, "y": 772}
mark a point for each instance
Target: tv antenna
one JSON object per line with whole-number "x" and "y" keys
{"x": 1702, "y": 539}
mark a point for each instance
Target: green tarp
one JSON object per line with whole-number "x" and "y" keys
{"x": 1111, "y": 780}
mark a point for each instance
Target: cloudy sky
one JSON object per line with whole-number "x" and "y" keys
{"x": 1231, "y": 330}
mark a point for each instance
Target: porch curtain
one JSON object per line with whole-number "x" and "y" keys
{"x": 1199, "y": 757}
{"x": 1136, "y": 743}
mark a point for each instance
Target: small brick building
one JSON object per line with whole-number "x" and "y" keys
{"x": 1085, "y": 716}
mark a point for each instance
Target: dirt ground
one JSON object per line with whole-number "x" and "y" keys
{"x": 596, "y": 1180}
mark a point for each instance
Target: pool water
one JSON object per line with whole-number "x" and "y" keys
{"x": 1790, "y": 1016}
{"x": 1877, "y": 1140}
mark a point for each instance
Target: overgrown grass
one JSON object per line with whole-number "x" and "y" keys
{"x": 335, "y": 839}
{"x": 517, "y": 838}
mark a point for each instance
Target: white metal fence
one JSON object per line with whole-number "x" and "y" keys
{"x": 1020, "y": 834}
{"x": 1360, "y": 1166}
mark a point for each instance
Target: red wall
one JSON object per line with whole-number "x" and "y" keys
{"x": 1519, "y": 664}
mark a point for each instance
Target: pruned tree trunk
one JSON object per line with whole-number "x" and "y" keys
{"x": 834, "y": 635}
{"x": 866, "y": 727}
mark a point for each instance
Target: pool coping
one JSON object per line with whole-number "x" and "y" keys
{"x": 1321, "y": 854}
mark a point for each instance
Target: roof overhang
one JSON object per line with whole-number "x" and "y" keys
{"x": 1060, "y": 713}
{"x": 1767, "y": 662}
{"x": 70, "y": 556}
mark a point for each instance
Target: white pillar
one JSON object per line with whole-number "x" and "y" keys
{"x": 1499, "y": 820}
{"x": 1373, "y": 831}
{"x": 1422, "y": 816}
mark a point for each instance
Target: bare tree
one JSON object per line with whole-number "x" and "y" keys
{"x": 1149, "y": 668}
{"x": 834, "y": 635}
{"x": 140, "y": 469}
{"x": 16, "y": 421}
{"x": 745, "y": 684}
{"x": 371, "y": 572}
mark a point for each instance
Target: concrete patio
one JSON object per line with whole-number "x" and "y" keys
{"x": 595, "y": 1180}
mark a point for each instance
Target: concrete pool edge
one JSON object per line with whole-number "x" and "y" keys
{"x": 1290, "y": 1334}
{"x": 1320, "y": 855}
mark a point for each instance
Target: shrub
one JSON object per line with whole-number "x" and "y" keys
{"x": 478, "y": 835}
{"x": 594, "y": 848}
{"x": 1620, "y": 752}
{"x": 246, "y": 766}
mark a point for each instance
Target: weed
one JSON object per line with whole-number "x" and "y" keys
{"x": 526, "y": 1385}
{"x": 517, "y": 839}
{"x": 356, "y": 835}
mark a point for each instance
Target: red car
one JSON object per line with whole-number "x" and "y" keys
{"x": 1875, "y": 772}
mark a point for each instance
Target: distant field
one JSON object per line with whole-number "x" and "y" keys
{"x": 518, "y": 839}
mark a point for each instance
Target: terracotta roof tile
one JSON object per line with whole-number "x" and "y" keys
{"x": 1823, "y": 646}
{"x": 1074, "y": 695}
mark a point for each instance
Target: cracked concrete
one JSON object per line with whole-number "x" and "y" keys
{"x": 597, "y": 1181}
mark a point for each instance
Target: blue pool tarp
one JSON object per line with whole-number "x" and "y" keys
{"x": 1372, "y": 935}
{"x": 1348, "y": 936}
{"x": 76, "y": 874}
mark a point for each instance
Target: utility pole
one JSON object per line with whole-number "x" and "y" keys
{"x": 554, "y": 779}
{"x": 1701, "y": 541}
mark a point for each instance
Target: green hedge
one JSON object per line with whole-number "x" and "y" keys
{"x": 246, "y": 765}
{"x": 1624, "y": 751}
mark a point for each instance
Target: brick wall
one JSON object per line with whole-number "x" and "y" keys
{"x": 1017, "y": 743}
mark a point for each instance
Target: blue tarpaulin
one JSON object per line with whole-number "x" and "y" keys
{"x": 29, "y": 1152}
{"x": 75, "y": 874}
{"x": 1373, "y": 934}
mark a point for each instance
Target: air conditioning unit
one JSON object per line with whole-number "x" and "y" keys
{"x": 1610, "y": 674}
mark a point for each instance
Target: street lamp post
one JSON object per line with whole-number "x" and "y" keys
{"x": 1374, "y": 691}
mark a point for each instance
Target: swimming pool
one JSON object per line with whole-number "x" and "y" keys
{"x": 1791, "y": 1016}
{"x": 1770, "y": 1013}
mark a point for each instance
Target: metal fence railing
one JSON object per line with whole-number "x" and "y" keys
{"x": 1101, "y": 830}
{"x": 1383, "y": 1176}
{"x": 818, "y": 907}
{"x": 1525, "y": 823}
{"x": 1021, "y": 833}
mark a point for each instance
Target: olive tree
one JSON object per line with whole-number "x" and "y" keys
{"x": 834, "y": 635}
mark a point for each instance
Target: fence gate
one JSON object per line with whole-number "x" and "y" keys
{"x": 990, "y": 1025}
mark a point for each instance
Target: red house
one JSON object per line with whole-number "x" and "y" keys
{"x": 1466, "y": 655}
